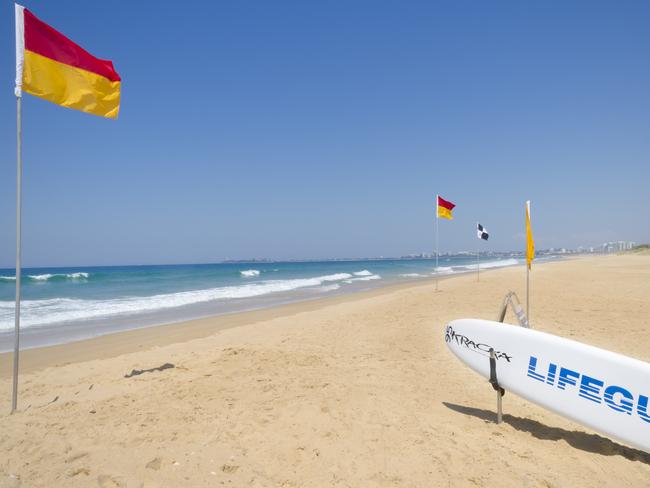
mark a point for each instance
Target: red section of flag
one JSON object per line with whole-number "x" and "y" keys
{"x": 444, "y": 203}
{"x": 42, "y": 39}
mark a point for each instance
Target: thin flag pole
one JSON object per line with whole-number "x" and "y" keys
{"x": 437, "y": 242}
{"x": 478, "y": 257}
{"x": 527, "y": 261}
{"x": 528, "y": 292}
{"x": 19, "y": 175}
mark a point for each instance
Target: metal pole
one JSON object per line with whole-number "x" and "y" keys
{"x": 437, "y": 243}
{"x": 19, "y": 174}
{"x": 527, "y": 263}
{"x": 494, "y": 381}
{"x": 478, "y": 253}
{"x": 528, "y": 293}
{"x": 499, "y": 408}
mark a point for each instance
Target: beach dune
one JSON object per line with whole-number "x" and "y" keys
{"x": 352, "y": 391}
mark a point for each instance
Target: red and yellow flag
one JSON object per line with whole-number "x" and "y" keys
{"x": 445, "y": 208}
{"x": 51, "y": 66}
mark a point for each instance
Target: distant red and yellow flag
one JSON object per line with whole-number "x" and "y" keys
{"x": 51, "y": 66}
{"x": 445, "y": 208}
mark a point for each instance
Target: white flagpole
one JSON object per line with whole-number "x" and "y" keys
{"x": 528, "y": 292}
{"x": 527, "y": 265}
{"x": 478, "y": 254}
{"x": 437, "y": 243}
{"x": 19, "y": 174}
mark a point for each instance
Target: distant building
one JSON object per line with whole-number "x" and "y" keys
{"x": 617, "y": 246}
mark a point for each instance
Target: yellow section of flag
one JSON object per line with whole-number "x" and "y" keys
{"x": 530, "y": 243}
{"x": 444, "y": 208}
{"x": 70, "y": 87}
{"x": 443, "y": 213}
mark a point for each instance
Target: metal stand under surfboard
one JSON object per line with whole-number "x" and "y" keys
{"x": 494, "y": 381}
{"x": 512, "y": 300}
{"x": 599, "y": 389}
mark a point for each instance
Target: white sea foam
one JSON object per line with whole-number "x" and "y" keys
{"x": 363, "y": 278}
{"x": 412, "y": 275}
{"x": 43, "y": 277}
{"x": 365, "y": 272}
{"x": 250, "y": 273}
{"x": 49, "y": 276}
{"x": 500, "y": 263}
{"x": 446, "y": 269}
{"x": 61, "y": 310}
{"x": 333, "y": 277}
{"x": 326, "y": 288}
{"x": 78, "y": 275}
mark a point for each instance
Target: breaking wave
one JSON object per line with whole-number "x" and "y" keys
{"x": 500, "y": 263}
{"x": 365, "y": 272}
{"x": 50, "y": 277}
{"x": 250, "y": 273}
{"x": 59, "y": 310}
{"x": 364, "y": 277}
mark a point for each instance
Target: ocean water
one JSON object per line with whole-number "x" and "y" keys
{"x": 65, "y": 304}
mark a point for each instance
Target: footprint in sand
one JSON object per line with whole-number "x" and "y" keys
{"x": 154, "y": 464}
{"x": 106, "y": 481}
{"x": 78, "y": 471}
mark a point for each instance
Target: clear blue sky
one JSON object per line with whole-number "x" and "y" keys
{"x": 325, "y": 129}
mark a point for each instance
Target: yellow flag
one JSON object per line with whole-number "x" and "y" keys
{"x": 530, "y": 244}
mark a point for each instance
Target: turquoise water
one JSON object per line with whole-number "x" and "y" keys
{"x": 63, "y": 304}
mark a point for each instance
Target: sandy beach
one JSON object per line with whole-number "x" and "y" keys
{"x": 352, "y": 391}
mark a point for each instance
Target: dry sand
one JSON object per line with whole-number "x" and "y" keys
{"x": 357, "y": 391}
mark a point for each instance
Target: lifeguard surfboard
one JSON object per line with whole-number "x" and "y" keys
{"x": 600, "y": 389}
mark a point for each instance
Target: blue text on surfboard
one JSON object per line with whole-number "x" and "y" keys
{"x": 593, "y": 389}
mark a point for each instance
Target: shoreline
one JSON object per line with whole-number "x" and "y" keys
{"x": 125, "y": 341}
{"x": 142, "y": 338}
{"x": 61, "y": 331}
{"x": 179, "y": 319}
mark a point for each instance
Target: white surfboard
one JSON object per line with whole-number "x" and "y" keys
{"x": 600, "y": 389}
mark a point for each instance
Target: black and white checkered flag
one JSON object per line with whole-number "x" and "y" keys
{"x": 482, "y": 232}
